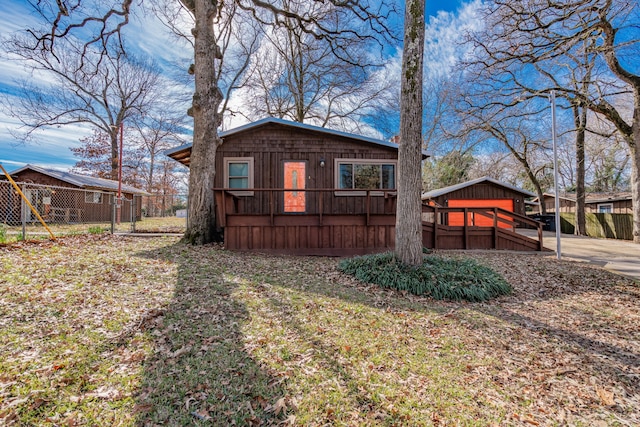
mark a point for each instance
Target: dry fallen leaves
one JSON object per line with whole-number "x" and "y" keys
{"x": 563, "y": 349}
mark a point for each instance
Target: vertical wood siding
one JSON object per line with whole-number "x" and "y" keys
{"x": 273, "y": 144}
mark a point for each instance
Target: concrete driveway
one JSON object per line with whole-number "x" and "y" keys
{"x": 619, "y": 256}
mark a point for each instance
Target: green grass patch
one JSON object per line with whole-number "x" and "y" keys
{"x": 97, "y": 230}
{"x": 438, "y": 277}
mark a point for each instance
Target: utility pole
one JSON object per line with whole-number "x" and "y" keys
{"x": 119, "y": 201}
{"x": 555, "y": 172}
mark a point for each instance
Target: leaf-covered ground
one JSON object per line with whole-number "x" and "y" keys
{"x": 102, "y": 330}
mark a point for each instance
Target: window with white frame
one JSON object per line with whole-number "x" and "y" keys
{"x": 605, "y": 208}
{"x": 93, "y": 197}
{"x": 365, "y": 174}
{"x": 238, "y": 173}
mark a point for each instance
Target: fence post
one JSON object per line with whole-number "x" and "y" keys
{"x": 113, "y": 213}
{"x": 133, "y": 212}
{"x": 23, "y": 210}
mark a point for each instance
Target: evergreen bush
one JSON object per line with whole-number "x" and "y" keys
{"x": 437, "y": 277}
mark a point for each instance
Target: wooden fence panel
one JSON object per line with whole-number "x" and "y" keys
{"x": 602, "y": 225}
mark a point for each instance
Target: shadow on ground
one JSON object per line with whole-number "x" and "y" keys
{"x": 202, "y": 372}
{"x": 199, "y": 372}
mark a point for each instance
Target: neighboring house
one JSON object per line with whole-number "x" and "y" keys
{"x": 483, "y": 192}
{"x": 618, "y": 225}
{"x": 617, "y": 203}
{"x": 288, "y": 187}
{"x": 49, "y": 195}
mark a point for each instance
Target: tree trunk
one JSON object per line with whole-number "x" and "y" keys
{"x": 580, "y": 118}
{"x": 634, "y": 149}
{"x": 206, "y": 120}
{"x": 152, "y": 161}
{"x": 633, "y": 141}
{"x": 115, "y": 159}
{"x": 542, "y": 208}
{"x": 631, "y": 133}
{"x": 408, "y": 214}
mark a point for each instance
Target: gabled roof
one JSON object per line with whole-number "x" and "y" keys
{"x": 445, "y": 190}
{"x": 81, "y": 181}
{"x": 182, "y": 153}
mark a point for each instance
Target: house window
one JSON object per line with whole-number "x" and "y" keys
{"x": 365, "y": 174}
{"x": 605, "y": 208}
{"x": 238, "y": 173}
{"x": 93, "y": 197}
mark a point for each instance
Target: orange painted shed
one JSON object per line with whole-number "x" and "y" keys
{"x": 483, "y": 192}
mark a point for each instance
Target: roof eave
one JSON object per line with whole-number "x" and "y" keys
{"x": 175, "y": 153}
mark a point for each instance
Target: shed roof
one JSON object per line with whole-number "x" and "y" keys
{"x": 81, "y": 181}
{"x": 182, "y": 153}
{"x": 445, "y": 190}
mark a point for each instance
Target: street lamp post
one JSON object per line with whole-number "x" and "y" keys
{"x": 552, "y": 98}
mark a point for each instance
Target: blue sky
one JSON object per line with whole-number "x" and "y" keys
{"x": 51, "y": 146}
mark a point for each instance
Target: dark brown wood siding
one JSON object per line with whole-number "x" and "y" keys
{"x": 619, "y": 206}
{"x": 565, "y": 204}
{"x": 271, "y": 145}
{"x": 485, "y": 190}
{"x": 34, "y": 177}
{"x": 569, "y": 206}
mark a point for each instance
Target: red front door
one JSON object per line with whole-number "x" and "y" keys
{"x": 294, "y": 179}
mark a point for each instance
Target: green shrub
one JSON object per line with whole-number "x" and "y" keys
{"x": 3, "y": 235}
{"x": 437, "y": 277}
{"x": 97, "y": 230}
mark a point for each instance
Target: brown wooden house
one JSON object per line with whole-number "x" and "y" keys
{"x": 288, "y": 187}
{"x": 65, "y": 197}
{"x": 349, "y": 182}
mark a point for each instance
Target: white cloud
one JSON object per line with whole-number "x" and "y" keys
{"x": 50, "y": 146}
{"x": 443, "y": 36}
{"x": 149, "y": 36}
{"x": 145, "y": 34}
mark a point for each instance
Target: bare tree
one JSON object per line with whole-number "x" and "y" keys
{"x": 514, "y": 128}
{"x": 527, "y": 43}
{"x": 94, "y": 154}
{"x": 155, "y": 133}
{"x": 608, "y": 164}
{"x": 102, "y": 91}
{"x": 408, "y": 216}
{"x": 104, "y": 25}
{"x": 579, "y": 65}
{"x": 94, "y": 158}
{"x": 295, "y": 76}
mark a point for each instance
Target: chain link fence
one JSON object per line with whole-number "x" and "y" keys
{"x": 163, "y": 213}
{"x": 77, "y": 211}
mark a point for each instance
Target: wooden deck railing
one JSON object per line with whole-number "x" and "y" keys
{"x": 331, "y": 214}
{"x": 315, "y": 207}
{"x": 498, "y": 217}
